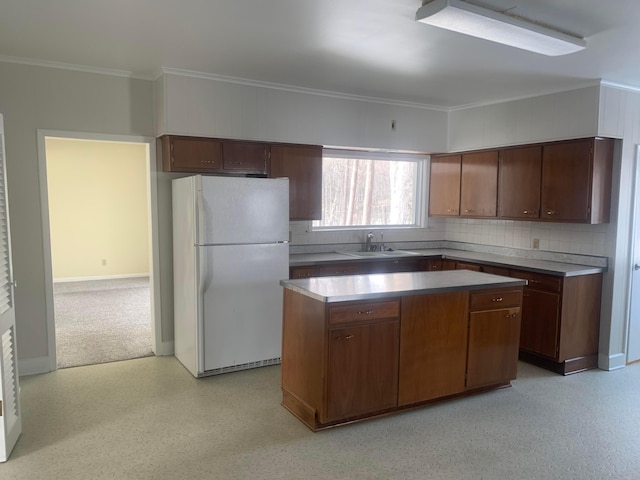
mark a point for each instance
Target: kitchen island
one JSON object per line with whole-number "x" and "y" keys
{"x": 359, "y": 346}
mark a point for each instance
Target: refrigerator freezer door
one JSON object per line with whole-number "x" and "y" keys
{"x": 236, "y": 210}
{"x": 242, "y": 303}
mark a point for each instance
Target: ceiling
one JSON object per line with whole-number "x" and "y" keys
{"x": 370, "y": 48}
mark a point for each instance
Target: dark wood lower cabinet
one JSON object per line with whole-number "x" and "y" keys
{"x": 493, "y": 346}
{"x": 540, "y": 323}
{"x": 362, "y": 374}
{"x": 346, "y": 361}
{"x": 432, "y": 335}
{"x": 560, "y": 321}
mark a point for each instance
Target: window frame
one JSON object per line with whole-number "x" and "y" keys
{"x": 421, "y": 187}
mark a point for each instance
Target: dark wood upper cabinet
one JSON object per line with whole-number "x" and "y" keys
{"x": 216, "y": 156}
{"x": 479, "y": 184}
{"x": 245, "y": 157}
{"x": 565, "y": 181}
{"x": 576, "y": 180}
{"x": 444, "y": 185}
{"x": 302, "y": 164}
{"x": 519, "y": 184}
{"x": 189, "y": 154}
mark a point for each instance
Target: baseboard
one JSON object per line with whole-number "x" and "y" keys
{"x": 164, "y": 349}
{"x": 33, "y": 366}
{"x": 102, "y": 277}
{"x": 612, "y": 362}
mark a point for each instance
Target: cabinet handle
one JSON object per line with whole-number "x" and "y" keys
{"x": 529, "y": 212}
{"x": 513, "y": 315}
{"x": 497, "y": 299}
{"x": 346, "y": 337}
{"x": 207, "y": 161}
{"x": 552, "y": 212}
{"x": 365, "y": 312}
{"x": 469, "y": 211}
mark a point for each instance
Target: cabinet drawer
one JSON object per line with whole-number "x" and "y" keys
{"x": 540, "y": 281}
{"x": 495, "y": 300}
{"x": 363, "y": 311}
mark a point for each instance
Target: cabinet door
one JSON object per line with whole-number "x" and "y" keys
{"x": 493, "y": 347}
{"x": 519, "y": 186}
{"x": 540, "y": 319}
{"x": 302, "y": 164}
{"x": 362, "y": 372}
{"x": 566, "y": 177}
{"x": 433, "y": 342}
{"x": 190, "y": 154}
{"x": 245, "y": 157}
{"x": 479, "y": 184}
{"x": 444, "y": 186}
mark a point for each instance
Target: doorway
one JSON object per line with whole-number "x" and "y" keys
{"x": 100, "y": 225}
{"x": 633, "y": 340}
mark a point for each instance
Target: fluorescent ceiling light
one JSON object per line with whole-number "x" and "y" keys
{"x": 483, "y": 23}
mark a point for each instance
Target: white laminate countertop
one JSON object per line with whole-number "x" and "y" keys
{"x": 384, "y": 285}
{"x": 532, "y": 265}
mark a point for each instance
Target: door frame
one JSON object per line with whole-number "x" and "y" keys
{"x": 154, "y": 248}
{"x": 635, "y": 232}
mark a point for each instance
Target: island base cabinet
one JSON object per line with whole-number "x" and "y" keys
{"x": 345, "y": 361}
{"x": 493, "y": 347}
{"x": 362, "y": 374}
{"x": 433, "y": 339}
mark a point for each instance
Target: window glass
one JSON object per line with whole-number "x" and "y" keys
{"x": 359, "y": 191}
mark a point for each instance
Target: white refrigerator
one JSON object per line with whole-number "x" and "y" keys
{"x": 230, "y": 250}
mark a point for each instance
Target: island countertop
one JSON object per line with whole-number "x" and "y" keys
{"x": 383, "y": 285}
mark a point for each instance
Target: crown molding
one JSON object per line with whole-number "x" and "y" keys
{"x": 71, "y": 66}
{"x": 620, "y": 86}
{"x": 295, "y": 89}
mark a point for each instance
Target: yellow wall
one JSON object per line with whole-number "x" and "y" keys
{"x": 98, "y": 208}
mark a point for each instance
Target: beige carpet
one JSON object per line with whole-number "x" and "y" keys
{"x": 102, "y": 321}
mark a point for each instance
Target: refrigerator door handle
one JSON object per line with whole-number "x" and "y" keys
{"x": 201, "y": 275}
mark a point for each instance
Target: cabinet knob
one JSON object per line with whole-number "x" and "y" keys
{"x": 513, "y": 315}
{"x": 365, "y": 312}
{"x": 497, "y": 299}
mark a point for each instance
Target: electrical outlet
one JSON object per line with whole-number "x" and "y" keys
{"x": 535, "y": 243}
{"x": 104, "y": 262}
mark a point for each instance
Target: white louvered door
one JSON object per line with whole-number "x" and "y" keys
{"x": 10, "y": 419}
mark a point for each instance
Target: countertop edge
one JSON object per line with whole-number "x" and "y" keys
{"x": 292, "y": 285}
{"x": 580, "y": 270}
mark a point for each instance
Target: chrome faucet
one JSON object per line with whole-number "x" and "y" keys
{"x": 368, "y": 243}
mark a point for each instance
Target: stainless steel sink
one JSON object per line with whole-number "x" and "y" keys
{"x": 386, "y": 253}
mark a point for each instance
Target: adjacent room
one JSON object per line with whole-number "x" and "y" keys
{"x": 98, "y": 214}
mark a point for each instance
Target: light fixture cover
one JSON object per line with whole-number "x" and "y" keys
{"x": 470, "y": 19}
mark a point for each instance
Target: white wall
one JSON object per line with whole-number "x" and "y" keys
{"x": 557, "y": 116}
{"x": 33, "y": 98}
{"x": 208, "y": 107}
{"x": 619, "y": 117}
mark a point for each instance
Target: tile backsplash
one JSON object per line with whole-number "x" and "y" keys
{"x": 552, "y": 237}
{"x": 576, "y": 239}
